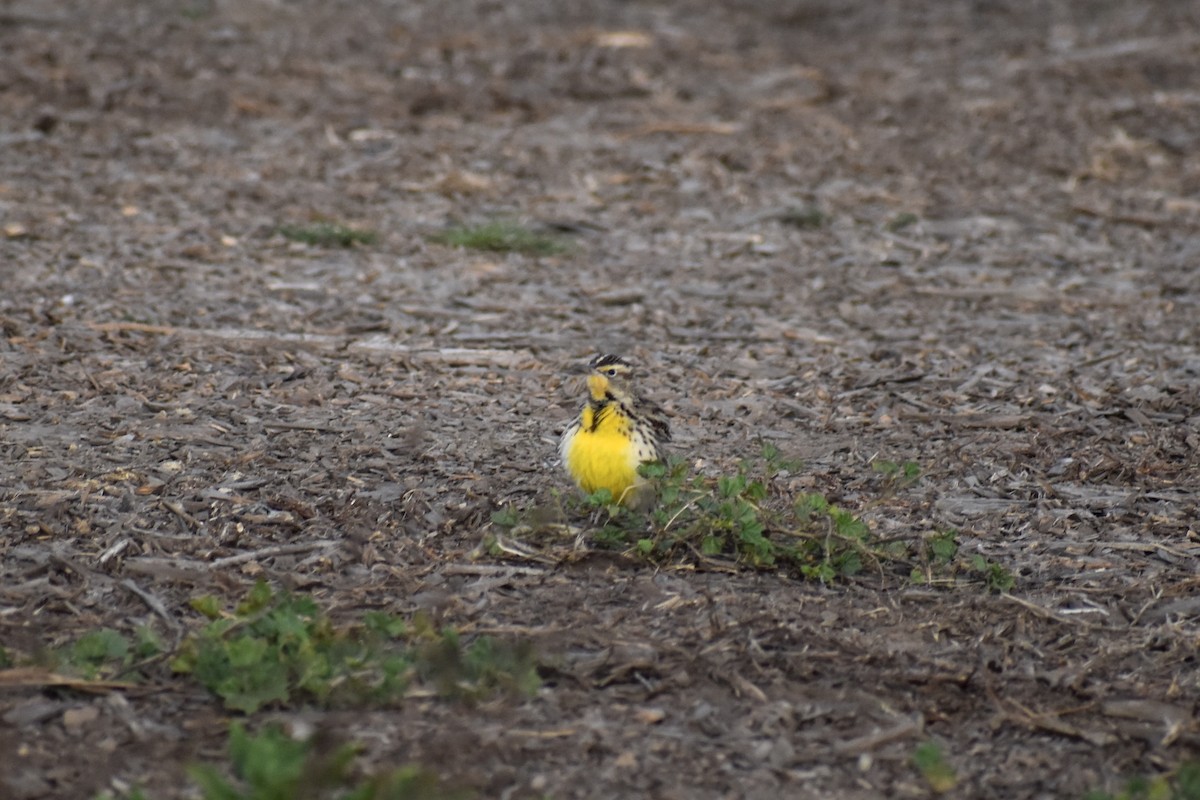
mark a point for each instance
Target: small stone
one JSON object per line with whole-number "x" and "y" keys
{"x": 24, "y": 785}
{"x": 31, "y": 712}
{"x": 74, "y": 719}
{"x": 650, "y": 716}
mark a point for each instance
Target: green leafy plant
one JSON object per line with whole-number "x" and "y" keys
{"x": 273, "y": 766}
{"x": 328, "y": 234}
{"x": 735, "y": 516}
{"x": 902, "y": 221}
{"x": 278, "y": 648}
{"x": 747, "y": 518}
{"x": 995, "y": 576}
{"x": 942, "y": 547}
{"x": 506, "y": 517}
{"x": 502, "y": 237}
{"x": 941, "y": 562}
{"x": 97, "y": 650}
{"x": 803, "y": 217}
{"x": 472, "y": 671}
{"x": 931, "y": 763}
{"x": 897, "y": 475}
{"x": 1182, "y": 783}
{"x": 938, "y": 552}
{"x": 107, "y": 653}
{"x": 818, "y": 538}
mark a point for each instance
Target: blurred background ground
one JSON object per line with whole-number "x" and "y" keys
{"x": 962, "y": 234}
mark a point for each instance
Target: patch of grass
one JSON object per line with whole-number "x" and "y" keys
{"x": 506, "y": 517}
{"x": 902, "y": 221}
{"x": 273, "y": 766}
{"x": 931, "y": 763}
{"x": 328, "y": 234}
{"x": 483, "y": 667}
{"x": 280, "y": 649}
{"x": 270, "y": 765}
{"x": 1181, "y": 784}
{"x": 995, "y": 576}
{"x": 745, "y": 519}
{"x": 202, "y": 9}
{"x": 937, "y": 552}
{"x": 107, "y": 653}
{"x": 942, "y": 547}
{"x": 897, "y": 475}
{"x": 941, "y": 561}
{"x": 734, "y": 517}
{"x": 502, "y": 237}
{"x": 96, "y": 651}
{"x": 805, "y": 218}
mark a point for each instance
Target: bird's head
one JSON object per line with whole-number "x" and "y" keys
{"x": 610, "y": 376}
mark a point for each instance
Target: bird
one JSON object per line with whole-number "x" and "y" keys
{"x": 615, "y": 432}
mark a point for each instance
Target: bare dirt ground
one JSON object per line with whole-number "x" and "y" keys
{"x": 1001, "y": 285}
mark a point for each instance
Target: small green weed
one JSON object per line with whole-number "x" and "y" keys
{"x": 733, "y": 517}
{"x": 97, "y": 650}
{"x": 502, "y": 237}
{"x": 942, "y": 547}
{"x": 808, "y": 217}
{"x": 995, "y": 577}
{"x": 1181, "y": 784}
{"x": 902, "y": 221}
{"x": 506, "y": 517}
{"x": 327, "y": 234}
{"x": 937, "y": 553}
{"x": 278, "y": 648}
{"x": 897, "y": 476}
{"x": 108, "y": 653}
{"x": 273, "y": 766}
{"x": 202, "y": 9}
{"x": 931, "y": 763}
{"x": 475, "y": 670}
{"x": 940, "y": 560}
{"x": 744, "y": 518}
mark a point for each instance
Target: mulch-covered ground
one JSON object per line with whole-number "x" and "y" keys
{"x": 960, "y": 234}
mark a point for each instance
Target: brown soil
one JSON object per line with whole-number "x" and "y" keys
{"x": 1001, "y": 287}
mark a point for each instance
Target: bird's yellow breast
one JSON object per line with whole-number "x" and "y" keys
{"x": 602, "y": 454}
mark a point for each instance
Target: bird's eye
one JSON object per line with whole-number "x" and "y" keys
{"x": 610, "y": 372}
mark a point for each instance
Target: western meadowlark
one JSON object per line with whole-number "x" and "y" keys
{"x": 615, "y": 432}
